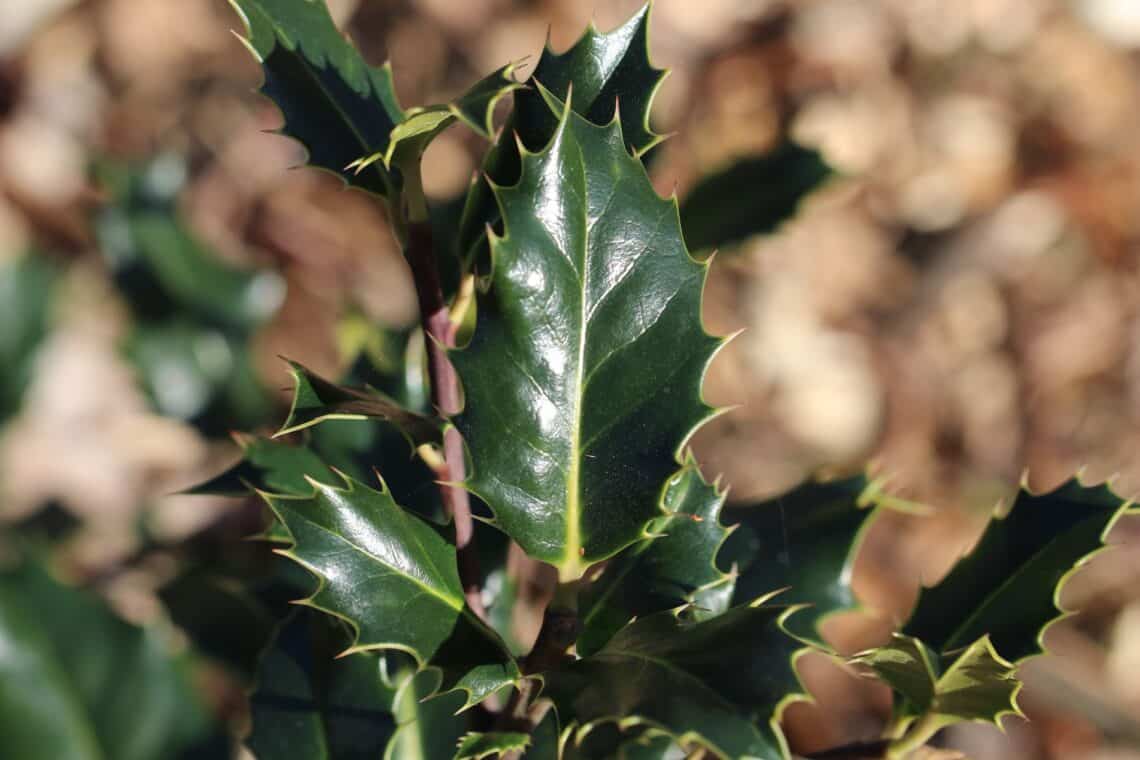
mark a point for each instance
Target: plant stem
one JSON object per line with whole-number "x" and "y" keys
{"x": 918, "y": 735}
{"x": 439, "y": 335}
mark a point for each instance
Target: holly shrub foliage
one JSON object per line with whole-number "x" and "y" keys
{"x": 550, "y": 394}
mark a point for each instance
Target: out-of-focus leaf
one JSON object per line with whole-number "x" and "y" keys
{"x": 752, "y": 196}
{"x": 413, "y": 601}
{"x": 428, "y": 726}
{"x": 583, "y": 378}
{"x": 722, "y": 682}
{"x": 78, "y": 683}
{"x": 271, "y": 466}
{"x": 26, "y": 287}
{"x": 676, "y": 567}
{"x": 316, "y": 400}
{"x": 334, "y": 103}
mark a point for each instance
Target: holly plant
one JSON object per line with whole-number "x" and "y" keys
{"x": 541, "y": 415}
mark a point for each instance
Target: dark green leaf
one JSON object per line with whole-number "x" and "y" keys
{"x": 413, "y": 600}
{"x": 804, "y": 541}
{"x": 78, "y": 683}
{"x": 316, "y": 400}
{"x": 308, "y": 703}
{"x": 337, "y": 105}
{"x": 583, "y": 377}
{"x": 476, "y": 746}
{"x": 1008, "y": 586}
{"x": 722, "y": 682}
{"x": 598, "y": 69}
{"x": 677, "y": 567}
{"x": 428, "y": 728}
{"x": 752, "y": 196}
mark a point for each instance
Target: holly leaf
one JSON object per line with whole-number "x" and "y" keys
{"x": 676, "y": 567}
{"x": 721, "y": 683}
{"x": 268, "y": 465}
{"x": 476, "y": 746}
{"x": 1009, "y": 586}
{"x": 583, "y": 377}
{"x": 429, "y": 726}
{"x": 804, "y": 541}
{"x": 597, "y": 68}
{"x": 335, "y": 104}
{"x": 309, "y": 703}
{"x": 474, "y": 108}
{"x": 974, "y": 685}
{"x": 316, "y": 400}
{"x": 991, "y": 611}
{"x": 413, "y": 600}
{"x": 65, "y": 696}
{"x": 752, "y": 196}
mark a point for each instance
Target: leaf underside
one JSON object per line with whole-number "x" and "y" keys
{"x": 582, "y": 380}
{"x": 392, "y": 576}
{"x": 721, "y": 683}
{"x": 316, "y": 400}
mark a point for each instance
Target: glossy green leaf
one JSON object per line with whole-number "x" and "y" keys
{"x": 316, "y": 400}
{"x": 804, "y": 541}
{"x": 476, "y": 746}
{"x": 583, "y": 378}
{"x": 26, "y": 286}
{"x": 1008, "y": 586}
{"x": 309, "y": 703}
{"x": 722, "y": 683}
{"x": 413, "y": 600}
{"x": 78, "y": 683}
{"x": 600, "y": 69}
{"x": 976, "y": 684}
{"x": 751, "y": 196}
{"x": 334, "y": 103}
{"x": 676, "y": 567}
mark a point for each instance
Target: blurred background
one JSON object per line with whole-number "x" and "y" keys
{"x": 956, "y": 303}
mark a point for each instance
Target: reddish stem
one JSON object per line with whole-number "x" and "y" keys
{"x": 439, "y": 335}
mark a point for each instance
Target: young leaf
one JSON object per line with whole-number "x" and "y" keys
{"x": 74, "y": 678}
{"x": 676, "y": 567}
{"x": 956, "y": 657}
{"x": 316, "y": 400}
{"x": 413, "y": 600}
{"x": 583, "y": 377}
{"x": 474, "y": 108}
{"x": 476, "y": 746}
{"x": 722, "y": 683}
{"x": 805, "y": 541}
{"x": 309, "y": 703}
{"x": 978, "y": 685}
{"x": 337, "y": 105}
{"x": 597, "y": 68}
{"x": 752, "y": 196}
